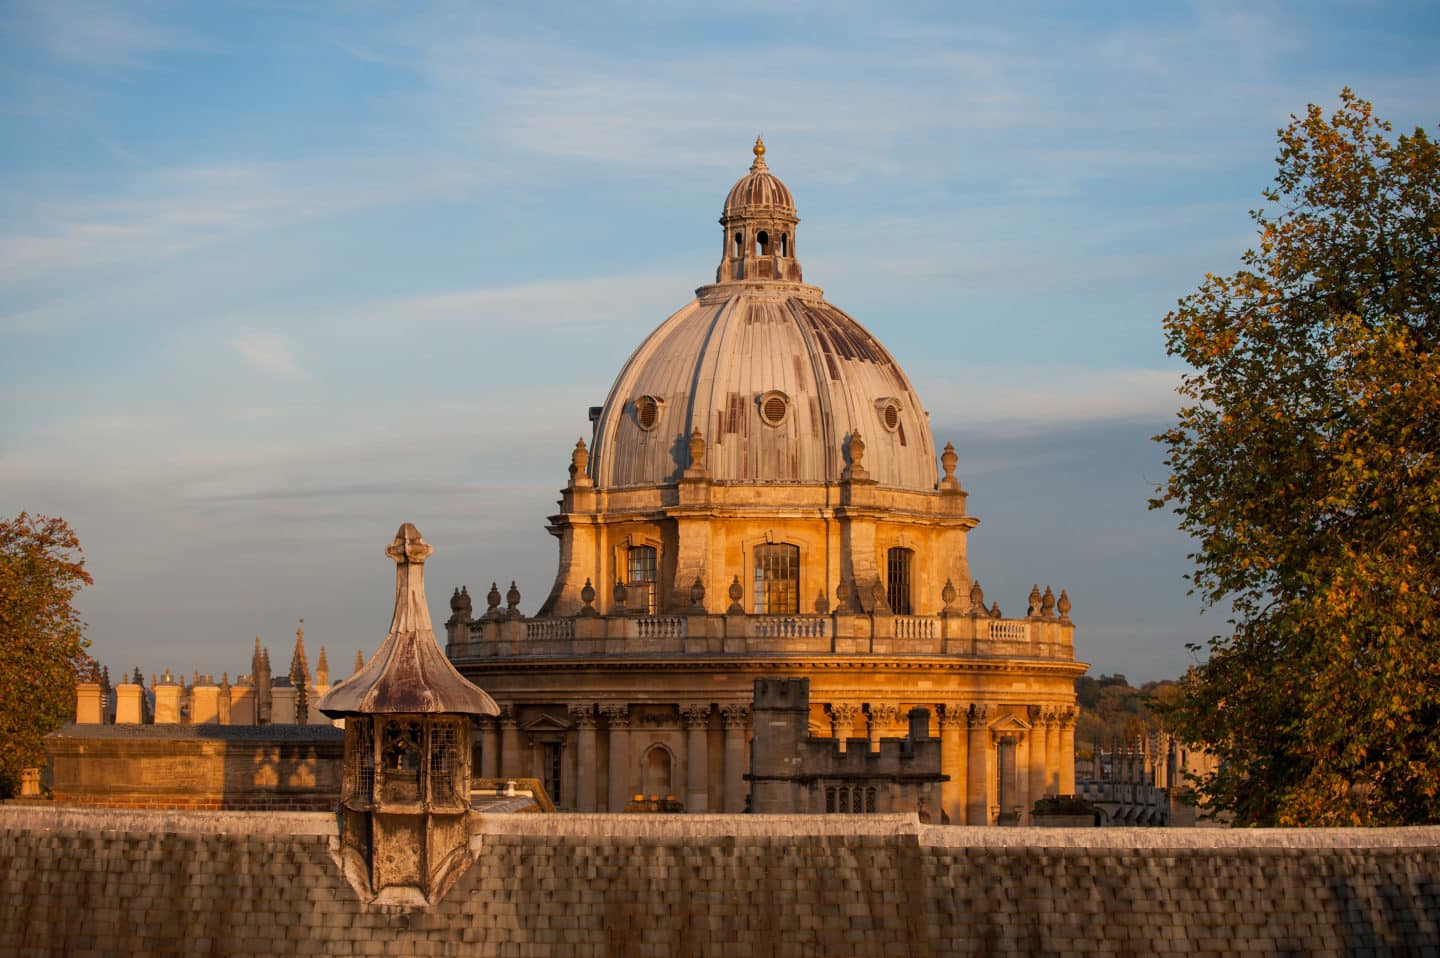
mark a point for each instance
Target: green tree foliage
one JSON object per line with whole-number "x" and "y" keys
{"x": 42, "y": 645}
{"x": 1304, "y": 465}
{"x": 1113, "y": 712}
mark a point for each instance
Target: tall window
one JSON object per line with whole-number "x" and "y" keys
{"x": 777, "y": 580}
{"x": 554, "y": 756}
{"x": 897, "y": 587}
{"x": 641, "y": 568}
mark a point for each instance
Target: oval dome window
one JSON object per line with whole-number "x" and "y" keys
{"x": 774, "y": 407}
{"x": 647, "y": 411}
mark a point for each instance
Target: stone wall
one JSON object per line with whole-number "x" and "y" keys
{"x": 232, "y": 767}
{"x": 92, "y": 882}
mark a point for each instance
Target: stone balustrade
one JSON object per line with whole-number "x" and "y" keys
{"x": 878, "y": 633}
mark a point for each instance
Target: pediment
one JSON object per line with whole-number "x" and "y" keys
{"x": 1009, "y": 722}
{"x": 546, "y": 723}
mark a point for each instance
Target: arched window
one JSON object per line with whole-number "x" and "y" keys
{"x": 784, "y": 244}
{"x": 762, "y": 243}
{"x": 640, "y": 567}
{"x": 657, "y": 772}
{"x": 739, "y": 244}
{"x": 777, "y": 579}
{"x": 897, "y": 584}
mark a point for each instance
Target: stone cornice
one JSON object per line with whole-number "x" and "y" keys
{"x": 924, "y": 664}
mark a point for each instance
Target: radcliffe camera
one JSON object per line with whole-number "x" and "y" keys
{"x": 316, "y": 321}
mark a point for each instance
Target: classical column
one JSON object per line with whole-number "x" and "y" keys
{"x": 880, "y": 718}
{"x": 1068, "y": 715}
{"x": 619, "y": 718}
{"x": 584, "y": 717}
{"x": 736, "y": 718}
{"x": 512, "y": 762}
{"x": 978, "y": 768}
{"x": 697, "y": 757}
{"x": 954, "y": 720}
{"x": 842, "y": 722}
{"x": 1052, "y": 751}
{"x": 1036, "y": 761}
{"x": 489, "y": 748}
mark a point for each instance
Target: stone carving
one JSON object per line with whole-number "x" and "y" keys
{"x": 855, "y": 471}
{"x": 621, "y": 595}
{"x": 1047, "y": 604}
{"x": 977, "y": 598}
{"x": 948, "y": 459}
{"x": 948, "y": 594}
{"x": 695, "y": 714}
{"x": 842, "y": 595}
{"x": 882, "y": 717}
{"x": 579, "y": 463}
{"x": 512, "y": 601}
{"x": 583, "y": 715}
{"x": 492, "y": 601}
{"x": 696, "y": 447}
{"x": 737, "y": 592}
{"x": 697, "y": 595}
{"x": 618, "y": 716}
{"x": 1063, "y": 606}
{"x": 1033, "y": 609}
{"x": 735, "y": 716}
{"x": 842, "y": 719}
{"x": 460, "y": 607}
{"x": 954, "y": 715}
{"x": 979, "y": 714}
{"x": 587, "y": 596}
{"x": 507, "y": 717}
{"x": 877, "y": 596}
{"x": 995, "y": 610}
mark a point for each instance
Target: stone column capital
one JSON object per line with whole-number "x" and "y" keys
{"x": 883, "y": 713}
{"x": 506, "y": 718}
{"x": 695, "y": 714}
{"x": 735, "y": 716}
{"x": 954, "y": 715}
{"x": 844, "y": 711}
{"x": 979, "y": 715}
{"x": 617, "y": 715}
{"x": 583, "y": 714}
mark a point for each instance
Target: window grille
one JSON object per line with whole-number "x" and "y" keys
{"x": 400, "y": 759}
{"x": 362, "y": 751}
{"x": 641, "y": 565}
{"x": 897, "y": 586}
{"x": 830, "y": 800}
{"x": 870, "y": 799}
{"x": 844, "y": 801}
{"x": 444, "y": 761}
{"x": 777, "y": 580}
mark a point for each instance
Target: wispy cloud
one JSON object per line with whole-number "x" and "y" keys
{"x": 96, "y": 33}
{"x": 268, "y": 352}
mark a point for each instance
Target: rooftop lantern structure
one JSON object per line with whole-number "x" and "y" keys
{"x": 405, "y": 807}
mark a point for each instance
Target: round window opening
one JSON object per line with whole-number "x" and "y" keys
{"x": 891, "y": 416}
{"x": 774, "y": 406}
{"x": 647, "y": 411}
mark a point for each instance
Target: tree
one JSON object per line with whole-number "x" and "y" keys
{"x": 42, "y": 643}
{"x": 1303, "y": 463}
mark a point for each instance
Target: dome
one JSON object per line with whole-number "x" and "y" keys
{"x": 759, "y": 189}
{"x": 776, "y": 380}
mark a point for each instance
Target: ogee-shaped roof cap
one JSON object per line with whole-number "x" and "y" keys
{"x": 409, "y": 673}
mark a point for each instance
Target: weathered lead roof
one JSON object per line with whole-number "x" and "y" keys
{"x": 715, "y": 364}
{"x": 409, "y": 673}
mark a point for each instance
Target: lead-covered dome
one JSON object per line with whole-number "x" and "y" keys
{"x": 776, "y": 380}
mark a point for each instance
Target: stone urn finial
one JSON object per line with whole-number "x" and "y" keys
{"x": 737, "y": 592}
{"x": 492, "y": 602}
{"x": 1063, "y": 606}
{"x": 579, "y": 464}
{"x": 948, "y": 594}
{"x": 1047, "y": 604}
{"x": 1033, "y": 609}
{"x": 512, "y": 601}
{"x": 856, "y": 471}
{"x": 842, "y": 595}
{"x": 587, "y": 596}
{"x": 977, "y": 598}
{"x": 697, "y": 593}
{"x": 697, "y": 455}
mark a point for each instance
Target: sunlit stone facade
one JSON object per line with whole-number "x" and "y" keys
{"x": 760, "y": 498}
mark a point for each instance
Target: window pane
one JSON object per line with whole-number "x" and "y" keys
{"x": 897, "y": 587}
{"x": 642, "y": 562}
{"x": 777, "y": 580}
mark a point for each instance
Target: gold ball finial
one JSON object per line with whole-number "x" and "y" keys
{"x": 759, "y": 146}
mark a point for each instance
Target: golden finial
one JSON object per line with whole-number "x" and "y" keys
{"x": 759, "y": 146}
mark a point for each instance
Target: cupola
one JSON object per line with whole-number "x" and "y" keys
{"x": 759, "y": 227}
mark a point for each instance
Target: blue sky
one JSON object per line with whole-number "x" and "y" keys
{"x": 276, "y": 277}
